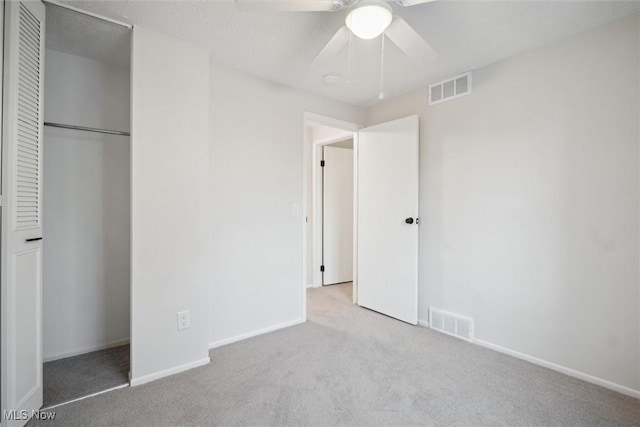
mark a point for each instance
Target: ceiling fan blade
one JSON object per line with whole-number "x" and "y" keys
{"x": 289, "y": 5}
{"x": 406, "y": 3}
{"x": 410, "y": 42}
{"x": 331, "y": 49}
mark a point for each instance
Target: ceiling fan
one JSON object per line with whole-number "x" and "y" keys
{"x": 366, "y": 19}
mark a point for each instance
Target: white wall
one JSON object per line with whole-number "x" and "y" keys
{"x": 319, "y": 132}
{"x": 256, "y": 177}
{"x": 171, "y": 257}
{"x": 530, "y": 201}
{"x": 86, "y": 207}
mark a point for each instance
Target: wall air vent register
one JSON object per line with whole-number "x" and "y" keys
{"x": 450, "y": 89}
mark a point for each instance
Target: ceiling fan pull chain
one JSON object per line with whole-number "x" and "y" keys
{"x": 348, "y": 80}
{"x": 381, "y": 94}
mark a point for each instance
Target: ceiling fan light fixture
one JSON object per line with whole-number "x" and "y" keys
{"x": 369, "y": 18}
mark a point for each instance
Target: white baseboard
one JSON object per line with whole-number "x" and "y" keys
{"x": 567, "y": 371}
{"x": 167, "y": 372}
{"x": 86, "y": 350}
{"x": 423, "y": 323}
{"x": 255, "y": 333}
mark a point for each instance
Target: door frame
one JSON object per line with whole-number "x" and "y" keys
{"x": 312, "y": 152}
{"x": 3, "y": 282}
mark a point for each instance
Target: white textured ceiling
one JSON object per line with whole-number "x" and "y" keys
{"x": 279, "y": 46}
{"x": 78, "y": 34}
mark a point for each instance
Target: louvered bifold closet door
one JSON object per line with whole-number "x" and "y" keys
{"x": 22, "y": 135}
{"x": 29, "y": 138}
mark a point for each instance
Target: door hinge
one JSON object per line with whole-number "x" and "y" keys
{"x": 322, "y": 268}
{"x": 321, "y": 163}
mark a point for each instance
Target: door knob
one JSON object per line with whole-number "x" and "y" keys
{"x": 409, "y": 220}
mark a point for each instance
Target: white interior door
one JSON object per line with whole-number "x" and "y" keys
{"x": 337, "y": 229}
{"x": 22, "y": 211}
{"x": 387, "y": 218}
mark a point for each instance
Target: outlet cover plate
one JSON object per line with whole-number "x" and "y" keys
{"x": 184, "y": 320}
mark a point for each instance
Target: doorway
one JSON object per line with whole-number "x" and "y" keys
{"x": 329, "y": 236}
{"x": 65, "y": 287}
{"x": 336, "y": 168}
{"x": 384, "y": 179}
{"x": 86, "y": 206}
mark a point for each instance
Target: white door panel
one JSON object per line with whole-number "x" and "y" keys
{"x": 387, "y": 196}
{"x": 28, "y": 270}
{"x": 22, "y": 211}
{"x": 337, "y": 230}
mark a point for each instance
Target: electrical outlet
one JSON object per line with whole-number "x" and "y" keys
{"x": 184, "y": 320}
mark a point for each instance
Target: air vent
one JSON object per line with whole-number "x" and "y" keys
{"x": 450, "y": 89}
{"x": 451, "y": 324}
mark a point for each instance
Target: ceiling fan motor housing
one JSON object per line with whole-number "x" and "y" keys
{"x": 369, "y": 18}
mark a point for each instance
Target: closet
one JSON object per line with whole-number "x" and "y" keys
{"x": 85, "y": 242}
{"x": 86, "y": 205}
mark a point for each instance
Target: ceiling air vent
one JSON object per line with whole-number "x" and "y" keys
{"x": 449, "y": 89}
{"x": 451, "y": 324}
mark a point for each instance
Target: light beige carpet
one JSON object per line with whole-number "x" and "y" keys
{"x": 352, "y": 366}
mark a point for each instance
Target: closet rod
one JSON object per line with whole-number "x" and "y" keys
{"x": 87, "y": 129}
